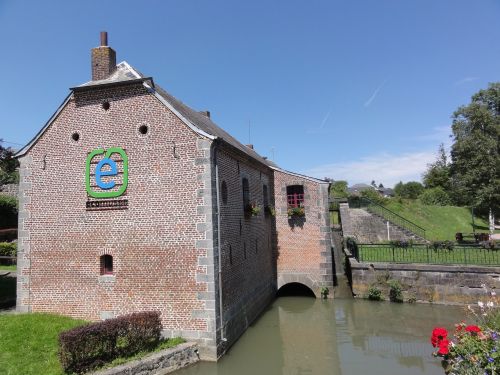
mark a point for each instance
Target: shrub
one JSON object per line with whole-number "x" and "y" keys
{"x": 374, "y": 196}
{"x": 402, "y": 243}
{"x": 395, "y": 291}
{"x": 84, "y": 348}
{"x": 8, "y": 212}
{"x": 374, "y": 293}
{"x": 325, "y": 292}
{"x": 8, "y": 249}
{"x": 435, "y": 197}
{"x": 443, "y": 245}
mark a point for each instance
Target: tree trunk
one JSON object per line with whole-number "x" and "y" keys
{"x": 492, "y": 221}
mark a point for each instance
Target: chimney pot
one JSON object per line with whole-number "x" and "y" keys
{"x": 205, "y": 113}
{"x": 250, "y": 146}
{"x": 104, "y": 38}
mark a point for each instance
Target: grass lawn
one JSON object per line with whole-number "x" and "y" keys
{"x": 28, "y": 343}
{"x": 8, "y": 268}
{"x": 440, "y": 222}
{"x": 421, "y": 254}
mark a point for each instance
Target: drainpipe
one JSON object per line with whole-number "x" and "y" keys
{"x": 217, "y": 189}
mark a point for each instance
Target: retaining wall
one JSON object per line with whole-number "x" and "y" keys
{"x": 160, "y": 363}
{"x": 442, "y": 284}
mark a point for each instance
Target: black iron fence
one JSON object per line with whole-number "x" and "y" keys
{"x": 421, "y": 253}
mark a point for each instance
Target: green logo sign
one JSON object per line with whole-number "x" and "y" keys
{"x": 107, "y": 168}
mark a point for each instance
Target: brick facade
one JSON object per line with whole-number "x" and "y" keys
{"x": 183, "y": 244}
{"x": 304, "y": 243}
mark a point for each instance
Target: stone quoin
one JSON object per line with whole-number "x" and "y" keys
{"x": 129, "y": 200}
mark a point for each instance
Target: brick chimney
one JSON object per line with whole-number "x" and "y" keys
{"x": 103, "y": 59}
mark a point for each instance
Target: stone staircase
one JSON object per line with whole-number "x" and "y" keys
{"x": 367, "y": 227}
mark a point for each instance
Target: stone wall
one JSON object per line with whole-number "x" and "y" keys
{"x": 367, "y": 227}
{"x": 427, "y": 283}
{"x": 163, "y": 362}
{"x": 9, "y": 189}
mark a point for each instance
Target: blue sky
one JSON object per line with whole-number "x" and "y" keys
{"x": 355, "y": 90}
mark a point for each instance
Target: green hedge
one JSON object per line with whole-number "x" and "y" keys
{"x": 8, "y": 212}
{"x": 84, "y": 348}
{"x": 8, "y": 249}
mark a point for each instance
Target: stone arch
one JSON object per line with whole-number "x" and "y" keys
{"x": 305, "y": 280}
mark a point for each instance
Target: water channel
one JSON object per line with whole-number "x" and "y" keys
{"x": 301, "y": 335}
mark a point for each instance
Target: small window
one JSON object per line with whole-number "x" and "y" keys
{"x": 106, "y": 265}
{"x": 143, "y": 129}
{"x": 265, "y": 197}
{"x": 223, "y": 192}
{"x": 246, "y": 194}
{"x": 295, "y": 196}
{"x": 106, "y": 105}
{"x": 75, "y": 137}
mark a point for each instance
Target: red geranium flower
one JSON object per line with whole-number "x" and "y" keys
{"x": 473, "y": 329}
{"x": 438, "y": 334}
{"x": 443, "y": 347}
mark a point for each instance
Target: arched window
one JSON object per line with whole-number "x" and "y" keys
{"x": 246, "y": 193}
{"x": 106, "y": 264}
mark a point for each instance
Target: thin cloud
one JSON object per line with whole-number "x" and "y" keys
{"x": 439, "y": 133}
{"x": 374, "y": 95}
{"x": 466, "y": 80}
{"x": 325, "y": 119}
{"x": 386, "y": 168}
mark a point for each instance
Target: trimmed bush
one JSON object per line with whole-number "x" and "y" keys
{"x": 8, "y": 249}
{"x": 8, "y": 212}
{"x": 84, "y": 348}
{"x": 435, "y": 197}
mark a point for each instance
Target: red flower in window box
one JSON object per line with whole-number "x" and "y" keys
{"x": 252, "y": 209}
{"x": 443, "y": 347}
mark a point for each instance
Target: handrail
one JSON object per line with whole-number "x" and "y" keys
{"x": 389, "y": 215}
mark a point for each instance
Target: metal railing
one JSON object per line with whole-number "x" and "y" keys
{"x": 391, "y": 216}
{"x": 419, "y": 253}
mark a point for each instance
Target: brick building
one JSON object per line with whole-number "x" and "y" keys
{"x": 129, "y": 200}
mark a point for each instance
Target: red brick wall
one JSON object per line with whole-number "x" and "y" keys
{"x": 247, "y": 244}
{"x": 155, "y": 243}
{"x": 304, "y": 245}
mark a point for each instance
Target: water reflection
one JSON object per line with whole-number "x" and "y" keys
{"x": 299, "y": 335}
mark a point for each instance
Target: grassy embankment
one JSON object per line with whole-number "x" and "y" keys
{"x": 29, "y": 343}
{"x": 440, "y": 222}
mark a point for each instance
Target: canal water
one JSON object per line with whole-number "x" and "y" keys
{"x": 302, "y": 336}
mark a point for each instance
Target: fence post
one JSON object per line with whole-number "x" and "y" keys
{"x": 393, "y": 257}
{"x": 428, "y": 257}
{"x": 465, "y": 255}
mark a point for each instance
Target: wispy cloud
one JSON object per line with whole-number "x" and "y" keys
{"x": 466, "y": 80}
{"x": 374, "y": 95}
{"x": 325, "y": 119}
{"x": 439, "y": 133}
{"x": 321, "y": 129}
{"x": 384, "y": 167}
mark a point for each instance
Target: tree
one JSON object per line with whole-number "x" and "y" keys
{"x": 380, "y": 186}
{"x": 410, "y": 190}
{"x": 438, "y": 173}
{"x": 373, "y": 184}
{"x": 475, "y": 153}
{"x": 338, "y": 189}
{"x": 8, "y": 165}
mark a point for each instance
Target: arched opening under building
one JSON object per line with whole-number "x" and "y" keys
{"x": 295, "y": 289}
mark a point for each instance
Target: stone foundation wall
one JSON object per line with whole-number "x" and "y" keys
{"x": 160, "y": 363}
{"x": 427, "y": 283}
